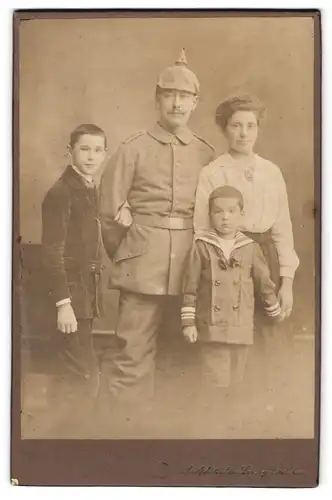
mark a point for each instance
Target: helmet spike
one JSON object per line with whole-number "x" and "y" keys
{"x": 182, "y": 61}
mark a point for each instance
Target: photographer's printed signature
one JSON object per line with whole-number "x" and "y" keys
{"x": 165, "y": 470}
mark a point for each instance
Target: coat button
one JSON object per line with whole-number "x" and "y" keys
{"x": 236, "y": 282}
{"x": 235, "y": 308}
{"x": 216, "y": 308}
{"x": 217, "y": 283}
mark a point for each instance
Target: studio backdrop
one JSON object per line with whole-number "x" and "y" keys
{"x": 104, "y": 71}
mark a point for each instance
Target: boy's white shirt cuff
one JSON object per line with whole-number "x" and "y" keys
{"x": 63, "y": 302}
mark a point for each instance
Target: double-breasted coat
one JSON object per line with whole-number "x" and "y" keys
{"x": 155, "y": 172}
{"x": 71, "y": 244}
{"x": 219, "y": 294}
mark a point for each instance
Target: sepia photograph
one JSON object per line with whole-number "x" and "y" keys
{"x": 167, "y": 276}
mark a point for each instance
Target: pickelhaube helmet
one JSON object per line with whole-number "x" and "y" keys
{"x": 179, "y": 77}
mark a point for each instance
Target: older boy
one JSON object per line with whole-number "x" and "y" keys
{"x": 71, "y": 243}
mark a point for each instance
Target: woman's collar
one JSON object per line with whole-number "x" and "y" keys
{"x": 246, "y": 161}
{"x": 226, "y": 160}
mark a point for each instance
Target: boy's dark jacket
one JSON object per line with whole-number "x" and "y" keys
{"x": 71, "y": 244}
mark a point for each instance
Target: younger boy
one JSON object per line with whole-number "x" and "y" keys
{"x": 224, "y": 270}
{"x": 71, "y": 244}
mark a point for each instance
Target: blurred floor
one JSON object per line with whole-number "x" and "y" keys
{"x": 286, "y": 412}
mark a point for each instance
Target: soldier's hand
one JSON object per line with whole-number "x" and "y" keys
{"x": 125, "y": 217}
{"x": 190, "y": 333}
{"x": 66, "y": 320}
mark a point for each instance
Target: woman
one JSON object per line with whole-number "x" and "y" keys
{"x": 266, "y": 213}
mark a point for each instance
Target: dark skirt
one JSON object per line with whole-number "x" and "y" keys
{"x": 269, "y": 250}
{"x": 272, "y": 341}
{"x": 270, "y": 253}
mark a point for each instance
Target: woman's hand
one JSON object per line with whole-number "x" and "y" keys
{"x": 285, "y": 297}
{"x": 66, "y": 320}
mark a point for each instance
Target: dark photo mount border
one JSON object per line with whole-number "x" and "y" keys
{"x": 251, "y": 463}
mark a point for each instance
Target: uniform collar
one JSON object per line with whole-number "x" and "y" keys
{"x": 162, "y": 135}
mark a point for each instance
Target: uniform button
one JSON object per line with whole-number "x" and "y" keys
{"x": 217, "y": 283}
{"x": 87, "y": 377}
{"x": 216, "y": 308}
{"x": 236, "y": 282}
{"x": 235, "y": 308}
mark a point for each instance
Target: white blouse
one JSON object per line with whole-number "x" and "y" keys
{"x": 265, "y": 202}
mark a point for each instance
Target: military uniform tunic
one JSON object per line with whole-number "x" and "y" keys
{"x": 156, "y": 173}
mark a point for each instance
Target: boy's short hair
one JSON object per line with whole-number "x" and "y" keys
{"x": 86, "y": 129}
{"x": 226, "y": 192}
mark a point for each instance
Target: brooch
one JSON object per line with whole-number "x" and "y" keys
{"x": 249, "y": 175}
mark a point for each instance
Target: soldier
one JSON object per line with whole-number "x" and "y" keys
{"x": 149, "y": 187}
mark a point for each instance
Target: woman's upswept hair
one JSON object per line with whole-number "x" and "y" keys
{"x": 227, "y": 108}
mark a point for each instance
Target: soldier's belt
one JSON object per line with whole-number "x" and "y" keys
{"x": 163, "y": 222}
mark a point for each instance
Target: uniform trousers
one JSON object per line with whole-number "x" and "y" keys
{"x": 132, "y": 369}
